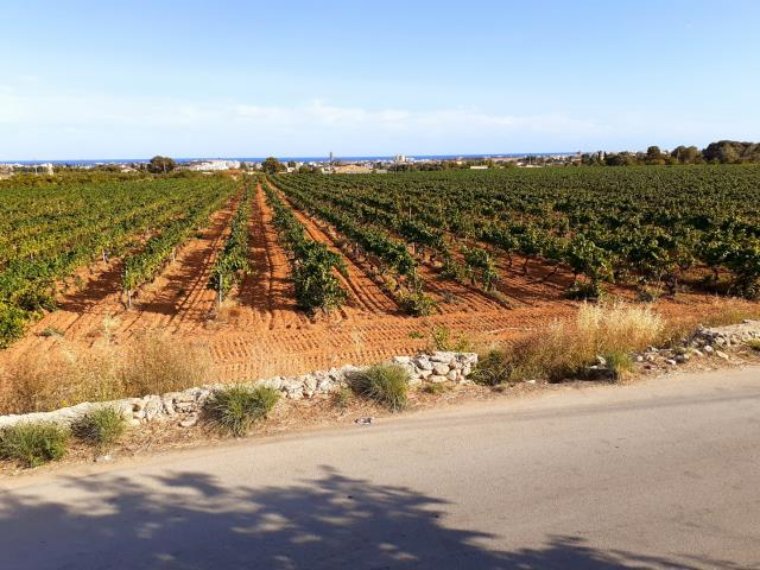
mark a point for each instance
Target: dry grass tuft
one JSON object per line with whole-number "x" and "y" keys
{"x": 563, "y": 349}
{"x": 158, "y": 364}
{"x": 618, "y": 327}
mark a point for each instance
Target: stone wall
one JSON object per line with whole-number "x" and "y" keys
{"x": 185, "y": 407}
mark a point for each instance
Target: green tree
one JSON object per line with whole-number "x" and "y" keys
{"x": 272, "y": 166}
{"x": 732, "y": 152}
{"x": 654, "y": 155}
{"x": 161, "y": 164}
{"x": 687, "y": 154}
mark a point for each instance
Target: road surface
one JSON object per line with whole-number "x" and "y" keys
{"x": 661, "y": 474}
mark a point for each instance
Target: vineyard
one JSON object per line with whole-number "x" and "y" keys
{"x": 653, "y": 229}
{"x": 290, "y": 273}
{"x": 49, "y": 231}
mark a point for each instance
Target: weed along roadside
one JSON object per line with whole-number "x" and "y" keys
{"x": 29, "y": 440}
{"x": 603, "y": 344}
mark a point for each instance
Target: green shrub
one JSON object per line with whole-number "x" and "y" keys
{"x": 754, "y": 344}
{"x": 619, "y": 363}
{"x": 101, "y": 428}
{"x": 493, "y": 369}
{"x": 417, "y": 304}
{"x": 235, "y": 409}
{"x": 316, "y": 286}
{"x": 584, "y": 291}
{"x": 452, "y": 269}
{"x": 51, "y": 331}
{"x": 386, "y": 384}
{"x": 342, "y": 398}
{"x": 12, "y": 324}
{"x": 435, "y": 389}
{"x": 37, "y": 297}
{"x": 442, "y": 339}
{"x": 32, "y": 444}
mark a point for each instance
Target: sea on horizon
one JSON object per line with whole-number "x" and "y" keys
{"x": 92, "y": 161}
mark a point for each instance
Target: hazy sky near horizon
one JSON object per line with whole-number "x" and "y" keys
{"x": 130, "y": 79}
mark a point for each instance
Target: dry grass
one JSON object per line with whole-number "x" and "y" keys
{"x": 565, "y": 348}
{"x": 722, "y": 312}
{"x": 155, "y": 365}
{"x": 57, "y": 379}
{"x": 732, "y": 313}
{"x": 61, "y": 377}
{"x": 618, "y": 327}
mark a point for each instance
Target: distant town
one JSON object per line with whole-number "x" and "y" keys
{"x": 328, "y": 165}
{"x": 720, "y": 152}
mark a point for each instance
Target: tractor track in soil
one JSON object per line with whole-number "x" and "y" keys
{"x": 179, "y": 299}
{"x": 176, "y": 301}
{"x": 451, "y": 296}
{"x": 263, "y": 334}
{"x": 267, "y": 291}
{"x": 364, "y": 293}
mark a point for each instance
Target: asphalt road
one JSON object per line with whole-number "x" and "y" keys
{"x": 662, "y": 474}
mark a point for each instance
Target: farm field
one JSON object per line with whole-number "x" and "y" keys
{"x": 242, "y": 265}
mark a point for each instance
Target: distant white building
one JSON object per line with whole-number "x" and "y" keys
{"x": 214, "y": 165}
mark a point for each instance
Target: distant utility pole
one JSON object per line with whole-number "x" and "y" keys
{"x": 331, "y": 162}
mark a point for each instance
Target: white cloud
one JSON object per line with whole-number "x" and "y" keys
{"x": 318, "y": 113}
{"x": 39, "y": 121}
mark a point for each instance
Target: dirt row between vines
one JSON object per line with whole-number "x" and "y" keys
{"x": 177, "y": 300}
{"x": 260, "y": 333}
{"x": 364, "y": 293}
{"x": 450, "y": 296}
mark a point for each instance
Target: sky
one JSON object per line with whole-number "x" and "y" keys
{"x": 131, "y": 79}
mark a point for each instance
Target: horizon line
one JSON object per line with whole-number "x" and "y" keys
{"x": 295, "y": 157}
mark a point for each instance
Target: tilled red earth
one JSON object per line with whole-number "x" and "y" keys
{"x": 261, "y": 333}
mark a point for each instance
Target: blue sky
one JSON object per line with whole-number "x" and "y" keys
{"x": 85, "y": 79}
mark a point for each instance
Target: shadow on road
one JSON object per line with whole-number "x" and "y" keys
{"x": 192, "y": 521}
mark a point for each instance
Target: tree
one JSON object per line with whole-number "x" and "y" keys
{"x": 272, "y": 166}
{"x": 731, "y": 152}
{"x": 654, "y": 155}
{"x": 687, "y": 154}
{"x": 161, "y": 164}
{"x": 291, "y": 164}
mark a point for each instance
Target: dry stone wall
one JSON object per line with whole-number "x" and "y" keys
{"x": 185, "y": 407}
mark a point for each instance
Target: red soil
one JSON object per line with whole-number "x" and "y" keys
{"x": 260, "y": 332}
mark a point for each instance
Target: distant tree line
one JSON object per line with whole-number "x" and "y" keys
{"x": 721, "y": 152}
